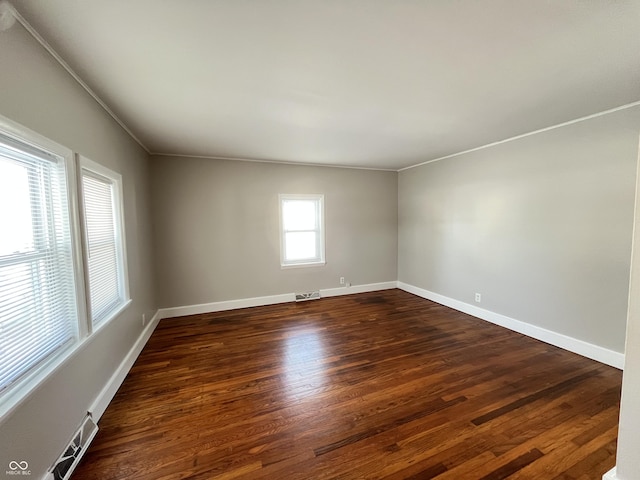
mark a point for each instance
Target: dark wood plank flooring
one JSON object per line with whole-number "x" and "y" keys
{"x": 381, "y": 385}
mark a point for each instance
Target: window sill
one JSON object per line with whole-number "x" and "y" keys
{"x": 17, "y": 395}
{"x": 113, "y": 314}
{"x": 286, "y": 266}
{"x": 20, "y": 392}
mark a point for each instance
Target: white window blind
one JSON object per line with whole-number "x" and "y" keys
{"x": 104, "y": 242}
{"x": 38, "y": 310}
{"x": 302, "y": 225}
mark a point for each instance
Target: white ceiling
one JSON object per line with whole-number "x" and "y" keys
{"x": 369, "y": 83}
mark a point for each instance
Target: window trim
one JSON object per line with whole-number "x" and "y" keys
{"x": 95, "y": 169}
{"x": 321, "y": 261}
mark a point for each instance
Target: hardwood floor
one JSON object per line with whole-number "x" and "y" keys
{"x": 382, "y": 385}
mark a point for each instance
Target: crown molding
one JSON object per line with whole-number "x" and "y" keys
{"x": 6, "y": 7}
{"x": 280, "y": 162}
{"x": 535, "y": 132}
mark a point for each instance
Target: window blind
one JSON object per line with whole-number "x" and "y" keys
{"x": 38, "y": 314}
{"x": 101, "y": 227}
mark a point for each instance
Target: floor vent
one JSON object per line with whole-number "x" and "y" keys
{"x": 64, "y": 466}
{"x": 301, "y": 297}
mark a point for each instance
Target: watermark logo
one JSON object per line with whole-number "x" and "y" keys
{"x": 18, "y": 468}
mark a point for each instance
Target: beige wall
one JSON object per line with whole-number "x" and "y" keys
{"x": 540, "y": 226}
{"x": 216, "y": 225}
{"x": 39, "y": 94}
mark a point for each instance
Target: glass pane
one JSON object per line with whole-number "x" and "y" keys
{"x": 299, "y": 215}
{"x": 18, "y": 296}
{"x": 38, "y": 313}
{"x": 15, "y": 208}
{"x": 300, "y": 246}
{"x": 100, "y": 222}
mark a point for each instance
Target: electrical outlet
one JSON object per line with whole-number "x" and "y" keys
{"x": 341, "y": 280}
{"x": 478, "y": 297}
{"x": 144, "y": 319}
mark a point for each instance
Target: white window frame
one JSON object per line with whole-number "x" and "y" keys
{"x": 21, "y": 390}
{"x": 319, "y": 260}
{"x": 91, "y": 168}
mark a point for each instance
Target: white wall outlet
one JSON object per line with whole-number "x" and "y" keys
{"x": 341, "y": 280}
{"x": 144, "y": 319}
{"x": 478, "y": 297}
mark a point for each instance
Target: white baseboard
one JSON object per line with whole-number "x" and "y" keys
{"x": 594, "y": 352}
{"x": 225, "y": 305}
{"x": 610, "y": 475}
{"x": 107, "y": 393}
{"x": 268, "y": 300}
{"x": 369, "y": 287}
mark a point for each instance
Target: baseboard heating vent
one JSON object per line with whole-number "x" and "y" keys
{"x": 64, "y": 466}
{"x": 302, "y": 297}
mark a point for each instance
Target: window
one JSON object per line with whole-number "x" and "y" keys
{"x": 104, "y": 241}
{"x": 52, "y": 294}
{"x": 38, "y": 301}
{"x": 301, "y": 230}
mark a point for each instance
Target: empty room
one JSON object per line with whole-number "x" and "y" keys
{"x": 284, "y": 239}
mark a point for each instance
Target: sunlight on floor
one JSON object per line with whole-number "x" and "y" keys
{"x": 304, "y": 358}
